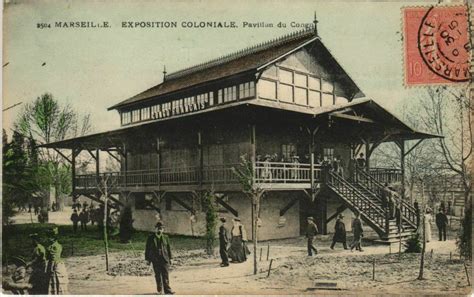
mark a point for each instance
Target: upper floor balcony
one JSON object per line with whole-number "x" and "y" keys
{"x": 267, "y": 175}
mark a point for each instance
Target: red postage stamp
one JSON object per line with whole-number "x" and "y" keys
{"x": 436, "y": 45}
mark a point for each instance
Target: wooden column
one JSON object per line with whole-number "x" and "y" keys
{"x": 73, "y": 173}
{"x": 158, "y": 160}
{"x": 201, "y": 159}
{"x": 402, "y": 166}
{"x": 311, "y": 175}
{"x": 125, "y": 165}
{"x": 97, "y": 166}
{"x": 253, "y": 150}
{"x": 367, "y": 154}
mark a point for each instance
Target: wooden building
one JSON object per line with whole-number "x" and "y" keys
{"x": 271, "y": 102}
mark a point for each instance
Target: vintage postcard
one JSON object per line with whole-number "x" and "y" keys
{"x": 237, "y": 147}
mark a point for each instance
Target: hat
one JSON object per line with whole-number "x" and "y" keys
{"x": 18, "y": 261}
{"x": 237, "y": 219}
{"x": 34, "y": 236}
{"x": 310, "y": 218}
{"x": 54, "y": 231}
{"x": 223, "y": 220}
{"x": 159, "y": 225}
{"x": 267, "y": 157}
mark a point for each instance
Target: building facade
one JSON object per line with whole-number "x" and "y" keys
{"x": 286, "y": 108}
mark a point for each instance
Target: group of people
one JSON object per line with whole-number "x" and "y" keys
{"x": 48, "y": 272}
{"x": 441, "y": 220}
{"x": 339, "y": 234}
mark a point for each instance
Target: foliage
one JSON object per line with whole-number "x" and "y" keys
{"x": 413, "y": 244}
{"x": 463, "y": 241}
{"x": 17, "y": 172}
{"x": 126, "y": 225}
{"x": 86, "y": 243}
{"x": 210, "y": 208}
{"x": 43, "y": 121}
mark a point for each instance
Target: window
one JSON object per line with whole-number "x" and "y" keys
{"x": 136, "y": 115}
{"x": 211, "y": 98}
{"x": 229, "y": 94}
{"x": 145, "y": 113}
{"x": 287, "y": 151}
{"x": 328, "y": 154}
{"x": 247, "y": 90}
{"x": 267, "y": 89}
{"x": 219, "y": 97}
{"x": 126, "y": 119}
{"x": 155, "y": 110}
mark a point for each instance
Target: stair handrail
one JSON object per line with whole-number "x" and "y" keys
{"x": 408, "y": 211}
{"x": 379, "y": 211}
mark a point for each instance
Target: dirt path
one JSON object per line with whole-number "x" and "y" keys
{"x": 293, "y": 272}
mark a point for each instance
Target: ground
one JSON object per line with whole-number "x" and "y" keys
{"x": 293, "y": 272}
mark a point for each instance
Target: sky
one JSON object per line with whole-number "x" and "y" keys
{"x": 95, "y": 68}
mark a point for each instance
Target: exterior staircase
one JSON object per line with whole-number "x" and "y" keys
{"x": 363, "y": 194}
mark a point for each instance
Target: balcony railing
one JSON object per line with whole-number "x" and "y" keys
{"x": 265, "y": 172}
{"x": 386, "y": 175}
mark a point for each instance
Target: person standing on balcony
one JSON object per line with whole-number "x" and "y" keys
{"x": 223, "y": 243}
{"x": 358, "y": 233}
{"x": 339, "y": 233}
{"x": 311, "y": 232}
{"x": 441, "y": 223}
{"x": 361, "y": 161}
{"x": 296, "y": 166}
{"x": 158, "y": 253}
{"x": 267, "y": 172}
{"x": 238, "y": 250}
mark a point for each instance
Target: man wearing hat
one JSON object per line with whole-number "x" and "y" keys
{"x": 38, "y": 278}
{"x": 339, "y": 233}
{"x": 158, "y": 253}
{"x": 311, "y": 232}
{"x": 223, "y": 242}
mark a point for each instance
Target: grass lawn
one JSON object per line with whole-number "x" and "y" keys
{"x": 16, "y": 241}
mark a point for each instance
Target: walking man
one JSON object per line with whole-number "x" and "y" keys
{"x": 75, "y": 220}
{"x": 158, "y": 253}
{"x": 340, "y": 233}
{"x": 441, "y": 223}
{"x": 311, "y": 232}
{"x": 223, "y": 242}
{"x": 358, "y": 233}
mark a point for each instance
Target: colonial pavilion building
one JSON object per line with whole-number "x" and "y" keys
{"x": 284, "y": 100}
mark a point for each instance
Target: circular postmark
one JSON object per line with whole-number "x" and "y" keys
{"x": 443, "y": 42}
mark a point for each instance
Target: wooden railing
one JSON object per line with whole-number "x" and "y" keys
{"x": 279, "y": 172}
{"x": 367, "y": 208}
{"x": 368, "y": 181}
{"x": 265, "y": 172}
{"x": 386, "y": 175}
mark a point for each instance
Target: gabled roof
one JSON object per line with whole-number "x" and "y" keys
{"x": 245, "y": 61}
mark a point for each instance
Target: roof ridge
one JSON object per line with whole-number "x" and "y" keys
{"x": 241, "y": 53}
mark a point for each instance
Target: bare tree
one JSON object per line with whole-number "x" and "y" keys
{"x": 246, "y": 177}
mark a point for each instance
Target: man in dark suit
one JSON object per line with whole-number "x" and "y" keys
{"x": 223, "y": 242}
{"x": 158, "y": 253}
{"x": 441, "y": 223}
{"x": 311, "y": 232}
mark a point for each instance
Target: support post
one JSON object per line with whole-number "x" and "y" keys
{"x": 311, "y": 175}
{"x": 201, "y": 161}
{"x": 402, "y": 167}
{"x": 253, "y": 146}
{"x": 367, "y": 155}
{"x": 125, "y": 165}
{"x": 97, "y": 166}
{"x": 73, "y": 172}
{"x": 158, "y": 160}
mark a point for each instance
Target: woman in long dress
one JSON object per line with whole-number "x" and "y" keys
{"x": 238, "y": 250}
{"x": 428, "y": 219}
{"x": 56, "y": 269}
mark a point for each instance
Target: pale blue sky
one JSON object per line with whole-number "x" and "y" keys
{"x": 92, "y": 69}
